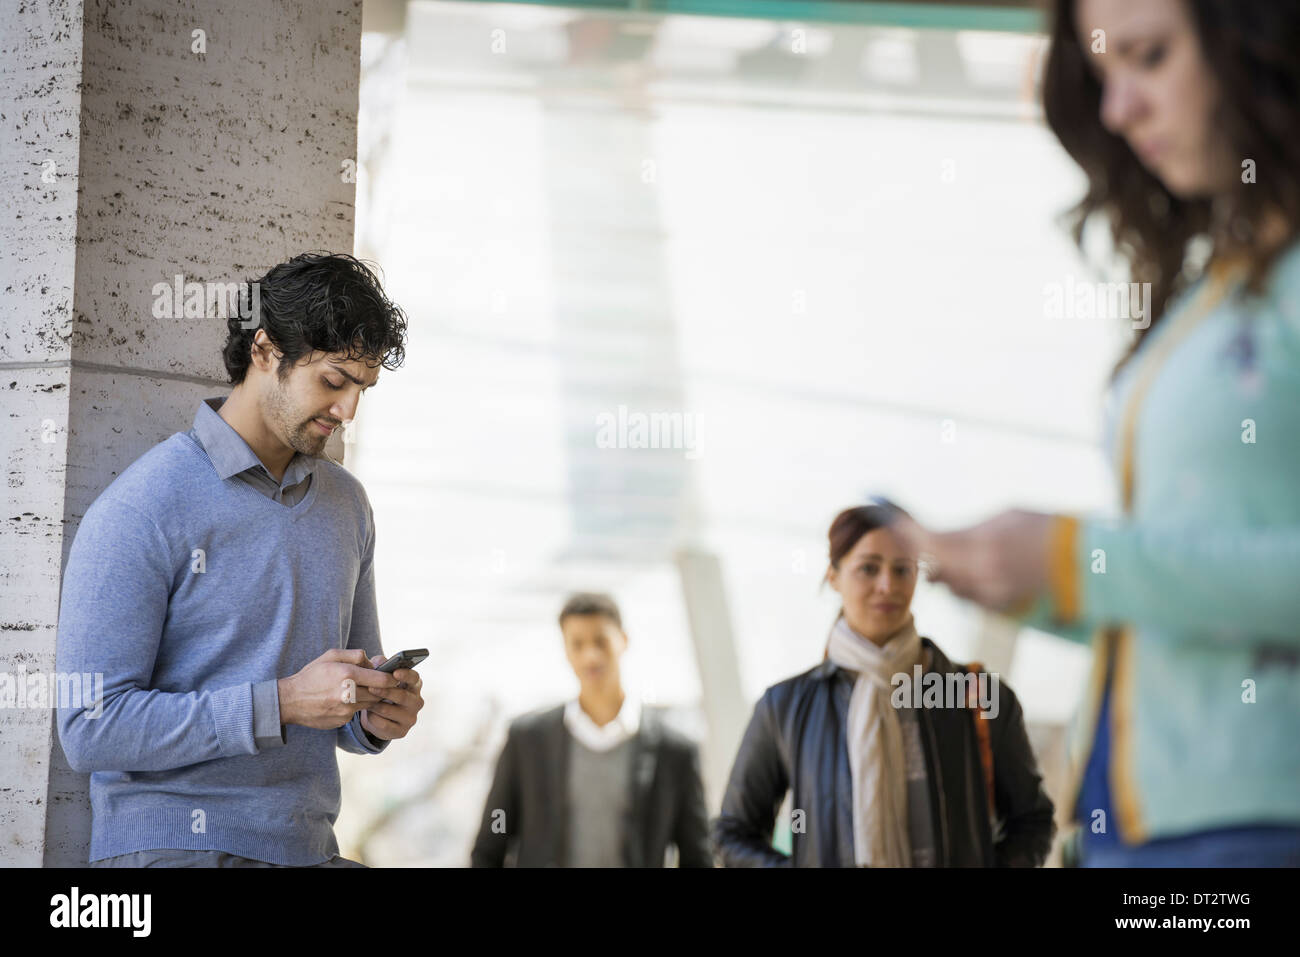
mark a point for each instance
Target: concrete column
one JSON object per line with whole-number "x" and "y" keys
{"x": 142, "y": 139}
{"x": 725, "y": 708}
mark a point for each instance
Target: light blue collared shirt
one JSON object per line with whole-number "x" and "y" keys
{"x": 231, "y": 456}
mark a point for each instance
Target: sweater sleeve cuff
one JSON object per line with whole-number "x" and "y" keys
{"x": 267, "y": 730}
{"x": 232, "y": 712}
{"x": 1066, "y": 606}
{"x": 364, "y": 743}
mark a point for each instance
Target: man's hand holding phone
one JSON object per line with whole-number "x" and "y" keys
{"x": 394, "y": 713}
{"x": 327, "y": 692}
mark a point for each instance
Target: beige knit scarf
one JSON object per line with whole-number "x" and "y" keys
{"x": 874, "y": 736}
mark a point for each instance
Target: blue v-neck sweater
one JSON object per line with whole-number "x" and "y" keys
{"x": 186, "y": 591}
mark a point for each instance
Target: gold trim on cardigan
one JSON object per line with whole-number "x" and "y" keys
{"x": 1062, "y": 573}
{"x": 1215, "y": 290}
{"x": 1123, "y": 776}
{"x": 1119, "y": 641}
{"x": 1122, "y": 759}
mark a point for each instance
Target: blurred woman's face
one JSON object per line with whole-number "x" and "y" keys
{"x": 876, "y": 579}
{"x": 1157, "y": 91}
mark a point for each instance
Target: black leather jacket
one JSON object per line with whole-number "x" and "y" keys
{"x": 796, "y": 739}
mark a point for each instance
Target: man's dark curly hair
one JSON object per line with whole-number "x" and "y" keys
{"x": 329, "y": 302}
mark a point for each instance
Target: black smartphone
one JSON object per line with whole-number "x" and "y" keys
{"x": 404, "y": 659}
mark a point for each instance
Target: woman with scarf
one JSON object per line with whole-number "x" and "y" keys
{"x": 877, "y": 780}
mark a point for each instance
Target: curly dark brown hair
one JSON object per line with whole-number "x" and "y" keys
{"x": 331, "y": 302}
{"x": 1250, "y": 45}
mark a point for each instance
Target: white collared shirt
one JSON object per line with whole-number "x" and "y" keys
{"x": 603, "y": 737}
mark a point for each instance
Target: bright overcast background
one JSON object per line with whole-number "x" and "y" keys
{"x": 827, "y": 245}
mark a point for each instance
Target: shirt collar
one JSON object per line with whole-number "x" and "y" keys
{"x": 604, "y": 737}
{"x": 230, "y": 454}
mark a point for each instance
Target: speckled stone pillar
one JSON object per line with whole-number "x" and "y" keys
{"x": 139, "y": 140}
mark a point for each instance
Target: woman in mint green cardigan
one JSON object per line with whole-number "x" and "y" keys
{"x": 1185, "y": 116}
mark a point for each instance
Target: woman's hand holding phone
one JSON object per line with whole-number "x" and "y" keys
{"x": 1001, "y": 563}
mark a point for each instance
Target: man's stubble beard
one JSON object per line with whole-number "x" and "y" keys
{"x": 284, "y": 417}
